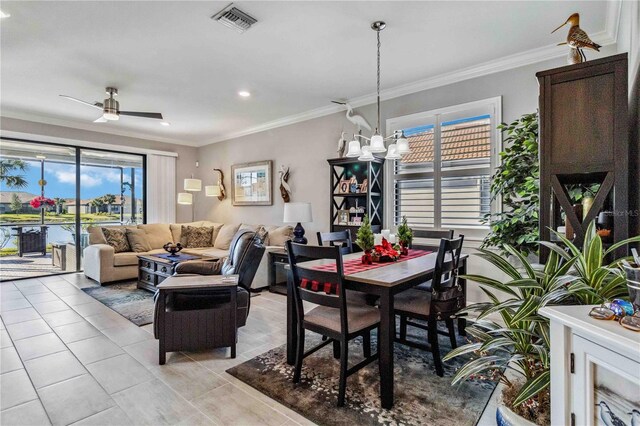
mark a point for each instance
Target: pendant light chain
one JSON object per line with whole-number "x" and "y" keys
{"x": 378, "y": 86}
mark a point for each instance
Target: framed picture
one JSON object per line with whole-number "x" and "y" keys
{"x": 364, "y": 186}
{"x": 344, "y": 187}
{"x": 251, "y": 184}
{"x": 343, "y": 217}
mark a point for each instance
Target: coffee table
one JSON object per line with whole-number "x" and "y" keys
{"x": 152, "y": 269}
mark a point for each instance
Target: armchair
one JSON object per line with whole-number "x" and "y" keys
{"x": 196, "y": 317}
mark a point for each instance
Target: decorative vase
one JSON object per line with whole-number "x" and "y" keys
{"x": 506, "y": 417}
{"x": 367, "y": 259}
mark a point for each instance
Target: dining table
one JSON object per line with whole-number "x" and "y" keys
{"x": 385, "y": 282}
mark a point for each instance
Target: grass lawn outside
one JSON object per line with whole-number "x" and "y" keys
{"x": 54, "y": 218}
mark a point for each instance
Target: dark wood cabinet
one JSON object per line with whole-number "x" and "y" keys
{"x": 584, "y": 141}
{"x": 369, "y": 201}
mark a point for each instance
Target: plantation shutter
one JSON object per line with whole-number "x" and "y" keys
{"x": 445, "y": 181}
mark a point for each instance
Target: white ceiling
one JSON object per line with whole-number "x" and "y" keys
{"x": 170, "y": 57}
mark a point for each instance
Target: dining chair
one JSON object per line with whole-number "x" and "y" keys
{"x": 335, "y": 317}
{"x": 429, "y": 234}
{"x": 340, "y": 239}
{"x": 441, "y": 303}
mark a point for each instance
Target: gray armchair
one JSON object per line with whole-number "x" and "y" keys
{"x": 204, "y": 306}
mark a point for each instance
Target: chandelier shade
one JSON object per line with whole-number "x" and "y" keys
{"x": 354, "y": 149}
{"x": 366, "y": 154}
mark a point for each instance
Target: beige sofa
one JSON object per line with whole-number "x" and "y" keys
{"x": 103, "y": 265}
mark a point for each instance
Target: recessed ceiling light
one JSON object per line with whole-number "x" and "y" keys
{"x": 4, "y": 14}
{"x": 244, "y": 93}
{"x": 165, "y": 123}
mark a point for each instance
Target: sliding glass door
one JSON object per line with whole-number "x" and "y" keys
{"x": 49, "y": 196}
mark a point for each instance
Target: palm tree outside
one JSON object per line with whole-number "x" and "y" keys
{"x": 10, "y": 173}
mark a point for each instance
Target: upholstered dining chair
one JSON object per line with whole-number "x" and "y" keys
{"x": 201, "y": 307}
{"x": 441, "y": 303}
{"x": 341, "y": 239}
{"x": 335, "y": 317}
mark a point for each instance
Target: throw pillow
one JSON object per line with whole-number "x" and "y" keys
{"x": 197, "y": 236}
{"x": 117, "y": 238}
{"x": 278, "y": 236}
{"x": 225, "y": 236}
{"x": 138, "y": 240}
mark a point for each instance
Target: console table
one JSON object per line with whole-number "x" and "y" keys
{"x": 595, "y": 368}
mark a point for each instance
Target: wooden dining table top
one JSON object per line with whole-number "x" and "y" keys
{"x": 389, "y": 275}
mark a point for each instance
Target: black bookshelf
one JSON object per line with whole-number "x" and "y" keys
{"x": 370, "y": 202}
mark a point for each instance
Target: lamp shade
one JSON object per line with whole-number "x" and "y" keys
{"x": 366, "y": 154}
{"x": 354, "y": 149}
{"x": 297, "y": 212}
{"x": 212, "y": 191}
{"x": 185, "y": 198}
{"x": 392, "y": 153}
{"x": 403, "y": 145}
{"x": 192, "y": 185}
{"x": 377, "y": 143}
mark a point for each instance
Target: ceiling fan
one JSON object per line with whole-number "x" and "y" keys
{"x": 111, "y": 108}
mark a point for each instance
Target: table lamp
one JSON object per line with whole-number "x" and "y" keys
{"x": 298, "y": 213}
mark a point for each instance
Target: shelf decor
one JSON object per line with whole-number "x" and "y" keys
{"x": 251, "y": 184}
{"x": 353, "y": 206}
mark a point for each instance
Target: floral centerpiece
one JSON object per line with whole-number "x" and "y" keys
{"x": 41, "y": 201}
{"x": 364, "y": 238}
{"x": 405, "y": 236}
{"x": 385, "y": 252}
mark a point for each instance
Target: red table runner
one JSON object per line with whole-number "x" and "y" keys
{"x": 353, "y": 266}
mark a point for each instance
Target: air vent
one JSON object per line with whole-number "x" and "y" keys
{"x": 234, "y": 18}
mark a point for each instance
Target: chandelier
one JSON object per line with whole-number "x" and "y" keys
{"x": 376, "y": 141}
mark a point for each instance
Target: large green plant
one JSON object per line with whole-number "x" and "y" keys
{"x": 602, "y": 281}
{"x": 520, "y": 342}
{"x": 517, "y": 181}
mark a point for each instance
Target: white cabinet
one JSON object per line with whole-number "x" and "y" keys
{"x": 595, "y": 369}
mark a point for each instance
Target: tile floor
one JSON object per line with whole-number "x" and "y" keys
{"x": 67, "y": 359}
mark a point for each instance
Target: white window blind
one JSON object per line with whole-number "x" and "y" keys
{"x": 445, "y": 181}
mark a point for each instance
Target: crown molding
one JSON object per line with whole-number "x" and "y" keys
{"x": 606, "y": 37}
{"x": 91, "y": 128}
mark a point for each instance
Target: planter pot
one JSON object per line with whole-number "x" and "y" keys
{"x": 506, "y": 417}
{"x": 367, "y": 259}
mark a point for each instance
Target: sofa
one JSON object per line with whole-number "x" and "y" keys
{"x": 104, "y": 265}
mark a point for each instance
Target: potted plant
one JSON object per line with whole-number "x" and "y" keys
{"x": 405, "y": 236}
{"x": 521, "y": 341}
{"x": 516, "y": 182}
{"x": 364, "y": 238}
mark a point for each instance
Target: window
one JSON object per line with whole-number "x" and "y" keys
{"x": 445, "y": 181}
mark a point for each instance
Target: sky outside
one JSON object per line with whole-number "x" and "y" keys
{"x": 61, "y": 180}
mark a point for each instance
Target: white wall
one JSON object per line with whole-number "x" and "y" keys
{"x": 305, "y": 146}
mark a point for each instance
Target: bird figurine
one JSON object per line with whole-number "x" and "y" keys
{"x": 608, "y": 417}
{"x": 356, "y": 119}
{"x": 342, "y": 144}
{"x": 577, "y": 39}
{"x": 285, "y": 189}
{"x": 635, "y": 417}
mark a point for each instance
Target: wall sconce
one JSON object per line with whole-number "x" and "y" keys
{"x": 216, "y": 190}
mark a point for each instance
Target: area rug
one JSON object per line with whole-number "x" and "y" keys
{"x": 133, "y": 303}
{"x": 421, "y": 397}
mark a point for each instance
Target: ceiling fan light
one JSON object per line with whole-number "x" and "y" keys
{"x": 392, "y": 153}
{"x": 366, "y": 154}
{"x": 111, "y": 116}
{"x": 354, "y": 149}
{"x": 377, "y": 143}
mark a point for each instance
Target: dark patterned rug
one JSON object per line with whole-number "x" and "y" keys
{"x": 133, "y": 303}
{"x": 421, "y": 397}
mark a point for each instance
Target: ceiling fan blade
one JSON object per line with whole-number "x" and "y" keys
{"x": 156, "y": 115}
{"x": 100, "y": 120}
{"x": 95, "y": 104}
